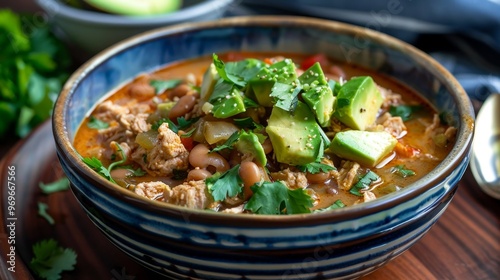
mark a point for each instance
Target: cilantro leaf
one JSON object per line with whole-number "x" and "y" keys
{"x": 238, "y": 72}
{"x": 183, "y": 123}
{"x": 401, "y": 170}
{"x": 56, "y": 186}
{"x": 171, "y": 125}
{"x": 33, "y": 67}
{"x": 286, "y": 96}
{"x": 95, "y": 123}
{"x": 404, "y": 111}
{"x": 276, "y": 198}
{"x": 364, "y": 183}
{"x": 97, "y": 165}
{"x": 227, "y": 184}
{"x": 42, "y": 211}
{"x": 336, "y": 205}
{"x": 228, "y": 144}
{"x": 315, "y": 167}
{"x": 50, "y": 260}
{"x": 248, "y": 123}
{"x": 163, "y": 85}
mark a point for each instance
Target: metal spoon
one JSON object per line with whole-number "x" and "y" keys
{"x": 485, "y": 159}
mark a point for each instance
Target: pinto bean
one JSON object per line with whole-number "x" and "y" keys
{"x": 250, "y": 174}
{"x": 198, "y": 174}
{"x": 179, "y": 91}
{"x": 183, "y": 106}
{"x": 200, "y": 157}
{"x": 320, "y": 177}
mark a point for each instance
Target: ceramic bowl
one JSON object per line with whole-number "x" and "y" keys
{"x": 182, "y": 243}
{"x": 93, "y": 31}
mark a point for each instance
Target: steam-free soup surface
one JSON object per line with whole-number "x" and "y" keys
{"x": 223, "y": 134}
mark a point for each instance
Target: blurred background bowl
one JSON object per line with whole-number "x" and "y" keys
{"x": 92, "y": 31}
{"x": 183, "y": 243}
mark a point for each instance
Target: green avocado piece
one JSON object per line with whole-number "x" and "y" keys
{"x": 317, "y": 93}
{"x": 296, "y": 138}
{"x": 226, "y": 100}
{"x": 358, "y": 102}
{"x": 136, "y": 8}
{"x": 209, "y": 80}
{"x": 260, "y": 86}
{"x": 365, "y": 147}
{"x": 249, "y": 143}
{"x": 321, "y": 101}
{"x": 313, "y": 76}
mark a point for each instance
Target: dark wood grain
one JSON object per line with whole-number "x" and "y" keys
{"x": 463, "y": 244}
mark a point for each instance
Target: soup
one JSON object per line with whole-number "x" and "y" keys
{"x": 263, "y": 133}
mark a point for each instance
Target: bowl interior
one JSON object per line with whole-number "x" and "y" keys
{"x": 366, "y": 48}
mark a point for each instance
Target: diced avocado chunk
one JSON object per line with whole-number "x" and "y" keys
{"x": 249, "y": 143}
{"x": 226, "y": 100}
{"x": 209, "y": 80}
{"x": 313, "y": 76}
{"x": 260, "y": 86}
{"x": 365, "y": 147}
{"x": 135, "y": 8}
{"x": 321, "y": 101}
{"x": 296, "y": 138}
{"x": 358, "y": 102}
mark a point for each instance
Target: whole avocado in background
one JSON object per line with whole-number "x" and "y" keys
{"x": 135, "y": 7}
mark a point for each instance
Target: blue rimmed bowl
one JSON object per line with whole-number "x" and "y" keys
{"x": 183, "y": 243}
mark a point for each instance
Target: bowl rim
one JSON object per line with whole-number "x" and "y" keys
{"x": 455, "y": 158}
{"x": 56, "y": 8}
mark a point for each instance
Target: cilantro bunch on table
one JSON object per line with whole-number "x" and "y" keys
{"x": 33, "y": 66}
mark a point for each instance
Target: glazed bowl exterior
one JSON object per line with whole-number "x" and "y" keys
{"x": 182, "y": 243}
{"x": 93, "y": 31}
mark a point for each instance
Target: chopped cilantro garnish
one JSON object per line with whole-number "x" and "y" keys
{"x": 95, "y": 123}
{"x": 404, "y": 111}
{"x": 238, "y": 72}
{"x": 315, "y": 167}
{"x": 163, "y": 85}
{"x": 188, "y": 133}
{"x": 336, "y": 205}
{"x": 227, "y": 184}
{"x": 97, "y": 165}
{"x": 228, "y": 144}
{"x": 42, "y": 211}
{"x": 50, "y": 259}
{"x": 364, "y": 183}
{"x": 276, "y": 198}
{"x": 401, "y": 170}
{"x": 56, "y": 186}
{"x": 183, "y": 124}
{"x": 286, "y": 96}
{"x": 171, "y": 125}
{"x": 247, "y": 123}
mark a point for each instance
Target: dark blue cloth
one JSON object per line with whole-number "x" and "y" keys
{"x": 464, "y": 35}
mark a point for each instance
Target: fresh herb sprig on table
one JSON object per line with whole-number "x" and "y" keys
{"x": 33, "y": 67}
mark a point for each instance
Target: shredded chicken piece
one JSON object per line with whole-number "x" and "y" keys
{"x": 393, "y": 125}
{"x": 390, "y": 98}
{"x": 167, "y": 155}
{"x": 108, "y": 111}
{"x": 135, "y": 123}
{"x": 192, "y": 194}
{"x": 293, "y": 180}
{"x": 347, "y": 174}
{"x": 151, "y": 190}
